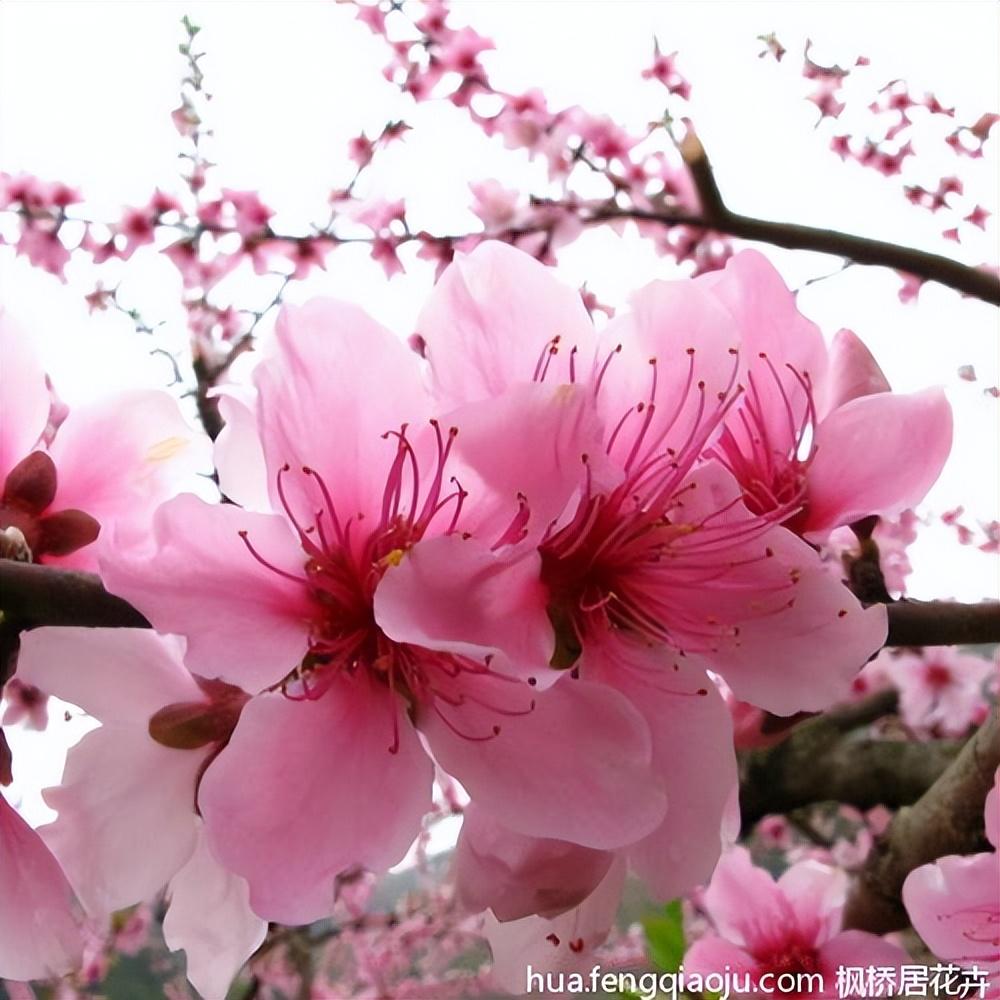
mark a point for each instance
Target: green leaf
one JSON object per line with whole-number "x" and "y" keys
{"x": 665, "y": 937}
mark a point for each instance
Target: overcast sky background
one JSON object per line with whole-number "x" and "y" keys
{"x": 86, "y": 89}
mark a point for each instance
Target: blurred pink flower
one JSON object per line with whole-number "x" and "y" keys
{"x": 98, "y": 471}
{"x": 954, "y": 903}
{"x": 791, "y": 926}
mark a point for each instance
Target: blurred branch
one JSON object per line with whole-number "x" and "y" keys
{"x": 943, "y": 623}
{"x": 947, "y": 819}
{"x": 972, "y": 281}
{"x": 32, "y": 595}
{"x": 825, "y": 759}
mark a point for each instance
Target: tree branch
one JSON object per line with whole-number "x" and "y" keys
{"x": 947, "y": 819}
{"x": 975, "y": 282}
{"x": 943, "y": 623}
{"x": 47, "y": 595}
{"x": 32, "y": 595}
{"x": 823, "y": 760}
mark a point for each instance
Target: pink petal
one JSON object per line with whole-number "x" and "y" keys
{"x": 211, "y": 920}
{"x": 321, "y": 762}
{"x": 335, "y": 382}
{"x": 563, "y": 944}
{"x": 490, "y": 320}
{"x": 126, "y": 815}
{"x": 120, "y": 458}
{"x": 877, "y": 455}
{"x": 766, "y": 313}
{"x": 991, "y": 811}
{"x": 746, "y": 906}
{"x": 802, "y": 636}
{"x": 576, "y": 767}
{"x": 692, "y": 750}
{"x": 858, "y": 949}
{"x": 498, "y": 471}
{"x": 452, "y": 594}
{"x": 853, "y": 372}
{"x": 24, "y": 397}
{"x": 711, "y": 955}
{"x": 953, "y": 905}
{"x": 40, "y": 935}
{"x": 243, "y": 622}
{"x": 239, "y": 457}
{"x": 517, "y": 876}
{"x": 116, "y": 675}
{"x": 817, "y": 893}
{"x": 694, "y": 342}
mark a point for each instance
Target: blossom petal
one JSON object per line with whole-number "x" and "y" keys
{"x": 517, "y": 876}
{"x": 498, "y": 471}
{"x": 244, "y": 622}
{"x": 126, "y": 816}
{"x": 120, "y": 458}
{"x": 858, "y": 949}
{"x": 40, "y": 935}
{"x": 239, "y": 456}
{"x": 576, "y": 767}
{"x": 333, "y": 385}
{"x": 692, "y": 750}
{"x": 563, "y": 944}
{"x": 853, "y": 372}
{"x": 745, "y": 905}
{"x": 877, "y": 455}
{"x": 116, "y": 675}
{"x": 321, "y": 762}
{"x": 953, "y": 906}
{"x": 817, "y": 893}
{"x": 454, "y": 595}
{"x": 490, "y": 320}
{"x": 210, "y": 919}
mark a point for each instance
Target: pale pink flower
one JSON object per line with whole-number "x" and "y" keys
{"x": 99, "y": 469}
{"x": 940, "y": 689}
{"x": 291, "y": 601}
{"x": 786, "y": 927}
{"x": 40, "y": 931}
{"x": 954, "y": 903}
{"x": 127, "y": 826}
{"x": 819, "y": 433}
{"x": 461, "y": 50}
{"x": 496, "y": 205}
{"x": 40, "y": 243}
{"x": 655, "y": 571}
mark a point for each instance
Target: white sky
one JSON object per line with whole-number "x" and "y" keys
{"x": 86, "y": 89}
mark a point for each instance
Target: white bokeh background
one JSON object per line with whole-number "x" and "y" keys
{"x": 86, "y": 89}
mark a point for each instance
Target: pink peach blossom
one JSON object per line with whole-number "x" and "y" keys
{"x": 954, "y": 903}
{"x": 126, "y": 825}
{"x": 791, "y": 926}
{"x": 98, "y": 471}
{"x": 293, "y": 602}
{"x": 940, "y": 689}
{"x": 817, "y": 432}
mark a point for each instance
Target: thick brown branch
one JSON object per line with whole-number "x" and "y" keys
{"x": 943, "y": 623}
{"x": 947, "y": 819}
{"x": 33, "y": 595}
{"x": 972, "y": 281}
{"x": 822, "y": 760}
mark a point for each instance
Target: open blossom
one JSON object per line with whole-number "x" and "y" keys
{"x": 816, "y": 429}
{"x": 97, "y": 471}
{"x": 344, "y": 474}
{"x": 792, "y": 926}
{"x": 954, "y": 903}
{"x": 127, "y": 826}
{"x": 655, "y": 572}
{"x": 941, "y": 689}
